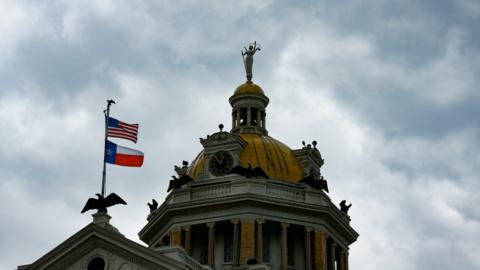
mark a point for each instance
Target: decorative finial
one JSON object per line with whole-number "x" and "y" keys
{"x": 220, "y": 127}
{"x": 247, "y": 57}
{"x": 314, "y": 144}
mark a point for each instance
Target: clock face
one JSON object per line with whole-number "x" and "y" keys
{"x": 220, "y": 163}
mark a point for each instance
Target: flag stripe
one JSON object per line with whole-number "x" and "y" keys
{"x": 117, "y": 130}
{"x": 128, "y": 160}
{"x": 128, "y": 151}
{"x": 124, "y": 137}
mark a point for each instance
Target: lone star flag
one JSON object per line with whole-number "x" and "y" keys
{"x": 123, "y": 156}
{"x": 119, "y": 129}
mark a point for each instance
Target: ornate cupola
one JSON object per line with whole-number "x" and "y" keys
{"x": 248, "y": 109}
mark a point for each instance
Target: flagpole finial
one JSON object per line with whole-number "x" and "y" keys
{"x": 110, "y": 102}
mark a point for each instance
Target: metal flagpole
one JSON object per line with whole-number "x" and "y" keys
{"x": 104, "y": 175}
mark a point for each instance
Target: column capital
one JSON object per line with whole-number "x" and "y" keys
{"x": 260, "y": 220}
{"x": 308, "y": 228}
{"x": 284, "y": 225}
{"x": 187, "y": 227}
{"x": 235, "y": 220}
{"x": 210, "y": 225}
{"x": 247, "y": 220}
{"x": 176, "y": 229}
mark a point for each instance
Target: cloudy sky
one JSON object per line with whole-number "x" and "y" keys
{"x": 389, "y": 89}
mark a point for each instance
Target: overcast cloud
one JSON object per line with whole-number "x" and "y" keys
{"x": 389, "y": 89}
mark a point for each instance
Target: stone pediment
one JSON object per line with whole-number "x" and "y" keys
{"x": 222, "y": 138}
{"x": 118, "y": 252}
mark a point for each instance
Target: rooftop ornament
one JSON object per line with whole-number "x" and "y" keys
{"x": 247, "y": 57}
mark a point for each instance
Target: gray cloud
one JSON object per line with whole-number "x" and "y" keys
{"x": 387, "y": 88}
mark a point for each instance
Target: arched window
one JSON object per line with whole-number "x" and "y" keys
{"x": 96, "y": 263}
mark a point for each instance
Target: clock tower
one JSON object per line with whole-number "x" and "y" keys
{"x": 224, "y": 220}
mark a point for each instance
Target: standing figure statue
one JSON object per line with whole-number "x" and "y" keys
{"x": 247, "y": 57}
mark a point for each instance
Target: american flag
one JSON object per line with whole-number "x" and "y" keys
{"x": 119, "y": 129}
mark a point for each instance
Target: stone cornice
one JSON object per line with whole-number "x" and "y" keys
{"x": 216, "y": 201}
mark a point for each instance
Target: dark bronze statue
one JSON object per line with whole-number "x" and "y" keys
{"x": 248, "y": 172}
{"x": 315, "y": 183}
{"x": 178, "y": 182}
{"x": 344, "y": 207}
{"x": 101, "y": 204}
{"x": 153, "y": 206}
{"x": 247, "y": 57}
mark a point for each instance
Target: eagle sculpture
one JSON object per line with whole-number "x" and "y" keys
{"x": 101, "y": 203}
{"x": 314, "y": 183}
{"x": 248, "y": 172}
{"x": 178, "y": 182}
{"x": 153, "y": 206}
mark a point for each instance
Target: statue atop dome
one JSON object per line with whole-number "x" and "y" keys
{"x": 247, "y": 57}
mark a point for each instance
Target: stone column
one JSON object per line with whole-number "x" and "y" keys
{"x": 211, "y": 243}
{"x": 233, "y": 119}
{"x": 249, "y": 116}
{"x": 247, "y": 241}
{"x": 238, "y": 118}
{"x": 308, "y": 248}
{"x": 259, "y": 118}
{"x": 236, "y": 231}
{"x": 188, "y": 239}
{"x": 320, "y": 249}
{"x": 339, "y": 258}
{"x": 283, "y": 246}
{"x": 331, "y": 259}
{"x": 176, "y": 236}
{"x": 265, "y": 121}
{"x": 345, "y": 260}
{"x": 259, "y": 242}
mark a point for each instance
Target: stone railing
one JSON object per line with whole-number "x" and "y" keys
{"x": 234, "y": 187}
{"x": 271, "y": 188}
{"x": 285, "y": 192}
{"x": 211, "y": 191}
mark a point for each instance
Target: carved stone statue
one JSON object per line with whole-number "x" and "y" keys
{"x": 344, "y": 207}
{"x": 247, "y": 56}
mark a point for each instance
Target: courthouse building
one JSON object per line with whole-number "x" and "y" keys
{"x": 224, "y": 220}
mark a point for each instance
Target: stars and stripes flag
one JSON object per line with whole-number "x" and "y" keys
{"x": 119, "y": 129}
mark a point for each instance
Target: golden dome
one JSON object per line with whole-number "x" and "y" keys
{"x": 248, "y": 88}
{"x": 274, "y": 157}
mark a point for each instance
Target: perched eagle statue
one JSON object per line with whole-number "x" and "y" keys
{"x": 178, "y": 182}
{"x": 153, "y": 206}
{"x": 248, "y": 172}
{"x": 314, "y": 183}
{"x": 101, "y": 203}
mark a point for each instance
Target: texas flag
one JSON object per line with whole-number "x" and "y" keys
{"x": 123, "y": 156}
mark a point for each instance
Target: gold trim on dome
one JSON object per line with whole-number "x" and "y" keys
{"x": 274, "y": 157}
{"x": 197, "y": 166}
{"x": 249, "y": 88}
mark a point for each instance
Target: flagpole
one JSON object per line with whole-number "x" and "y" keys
{"x": 104, "y": 174}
